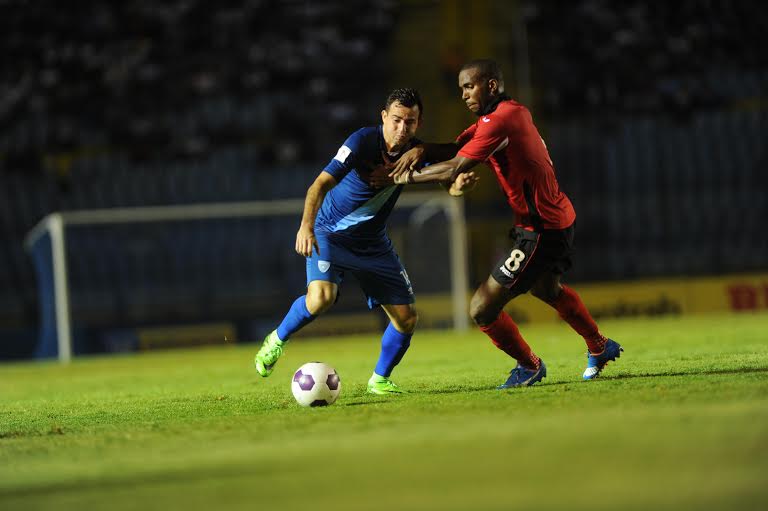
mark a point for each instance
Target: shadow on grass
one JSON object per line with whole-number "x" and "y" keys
{"x": 366, "y": 402}
{"x": 745, "y": 370}
{"x": 456, "y": 390}
{"x": 375, "y": 400}
{"x": 544, "y": 384}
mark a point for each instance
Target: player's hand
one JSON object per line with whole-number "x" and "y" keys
{"x": 379, "y": 176}
{"x": 464, "y": 182}
{"x": 306, "y": 241}
{"x": 408, "y": 162}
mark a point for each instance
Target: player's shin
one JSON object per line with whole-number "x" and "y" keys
{"x": 505, "y": 335}
{"x": 573, "y": 311}
{"x": 297, "y": 318}
{"x": 394, "y": 344}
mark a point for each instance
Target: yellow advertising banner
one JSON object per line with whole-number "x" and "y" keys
{"x": 645, "y": 298}
{"x": 733, "y": 293}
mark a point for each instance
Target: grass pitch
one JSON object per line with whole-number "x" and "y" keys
{"x": 680, "y": 421}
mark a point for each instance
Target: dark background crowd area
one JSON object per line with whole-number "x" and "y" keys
{"x": 182, "y": 78}
{"x": 641, "y": 57}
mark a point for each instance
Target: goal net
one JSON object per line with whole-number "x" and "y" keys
{"x": 133, "y": 278}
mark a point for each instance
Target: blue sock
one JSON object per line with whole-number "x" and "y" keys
{"x": 297, "y": 318}
{"x": 393, "y": 347}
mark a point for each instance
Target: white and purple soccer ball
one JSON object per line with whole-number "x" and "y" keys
{"x": 316, "y": 384}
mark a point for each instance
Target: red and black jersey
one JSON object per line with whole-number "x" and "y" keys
{"x": 508, "y": 140}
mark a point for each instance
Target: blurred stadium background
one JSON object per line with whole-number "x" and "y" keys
{"x": 655, "y": 115}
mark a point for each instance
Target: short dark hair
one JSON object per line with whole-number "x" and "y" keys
{"x": 406, "y": 97}
{"x": 487, "y": 69}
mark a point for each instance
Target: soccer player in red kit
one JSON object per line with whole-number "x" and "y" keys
{"x": 506, "y": 139}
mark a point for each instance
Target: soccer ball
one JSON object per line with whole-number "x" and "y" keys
{"x": 316, "y": 384}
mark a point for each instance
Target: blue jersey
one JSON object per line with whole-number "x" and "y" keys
{"x": 354, "y": 213}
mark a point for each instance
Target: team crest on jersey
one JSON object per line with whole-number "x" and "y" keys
{"x": 323, "y": 266}
{"x": 343, "y": 153}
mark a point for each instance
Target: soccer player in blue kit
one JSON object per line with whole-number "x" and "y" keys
{"x": 343, "y": 229}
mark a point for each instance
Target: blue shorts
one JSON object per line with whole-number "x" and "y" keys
{"x": 381, "y": 274}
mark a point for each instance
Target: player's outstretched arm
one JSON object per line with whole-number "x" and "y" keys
{"x": 416, "y": 156}
{"x": 444, "y": 171}
{"x": 305, "y": 237}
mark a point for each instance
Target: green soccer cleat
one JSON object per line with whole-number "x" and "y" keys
{"x": 383, "y": 386}
{"x": 267, "y": 356}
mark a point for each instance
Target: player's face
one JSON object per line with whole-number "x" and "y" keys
{"x": 400, "y": 124}
{"x": 475, "y": 91}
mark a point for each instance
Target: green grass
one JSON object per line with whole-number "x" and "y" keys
{"x": 679, "y": 422}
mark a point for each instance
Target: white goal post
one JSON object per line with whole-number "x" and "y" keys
{"x": 55, "y": 225}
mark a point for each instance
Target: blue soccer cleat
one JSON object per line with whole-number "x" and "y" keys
{"x": 523, "y": 377}
{"x": 596, "y": 363}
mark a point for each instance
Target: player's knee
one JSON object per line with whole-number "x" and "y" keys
{"x": 408, "y": 324}
{"x": 320, "y": 300}
{"x": 480, "y": 311}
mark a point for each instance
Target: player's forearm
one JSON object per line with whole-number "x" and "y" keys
{"x": 315, "y": 195}
{"x": 437, "y": 173}
{"x": 443, "y": 172}
{"x": 311, "y": 207}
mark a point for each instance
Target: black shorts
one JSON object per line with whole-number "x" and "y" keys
{"x": 532, "y": 255}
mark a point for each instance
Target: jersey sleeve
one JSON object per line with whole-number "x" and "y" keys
{"x": 489, "y": 136}
{"x": 466, "y": 135}
{"x": 346, "y": 158}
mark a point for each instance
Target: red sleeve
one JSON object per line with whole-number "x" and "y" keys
{"x": 466, "y": 135}
{"x": 488, "y": 137}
